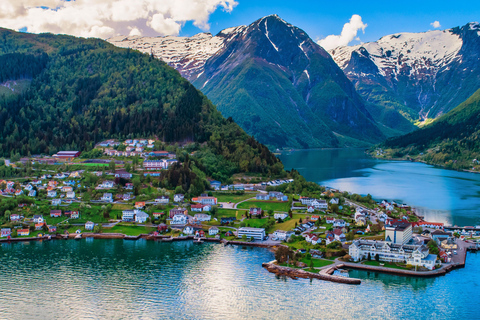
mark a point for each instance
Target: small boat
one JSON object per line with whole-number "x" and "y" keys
{"x": 198, "y": 241}
{"x": 78, "y": 237}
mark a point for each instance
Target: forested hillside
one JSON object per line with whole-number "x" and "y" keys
{"x": 81, "y": 91}
{"x": 452, "y": 141}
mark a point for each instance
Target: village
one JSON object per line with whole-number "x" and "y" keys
{"x": 121, "y": 198}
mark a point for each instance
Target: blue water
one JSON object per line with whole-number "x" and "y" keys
{"x": 117, "y": 279}
{"x": 440, "y": 195}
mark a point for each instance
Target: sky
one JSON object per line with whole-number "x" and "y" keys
{"x": 331, "y": 23}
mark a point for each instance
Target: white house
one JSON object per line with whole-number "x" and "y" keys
{"x": 38, "y": 218}
{"x": 89, "y": 225}
{"x": 71, "y": 195}
{"x": 52, "y": 194}
{"x": 135, "y": 215}
{"x": 282, "y": 235}
{"x": 188, "y": 230}
{"x": 178, "y": 197}
{"x": 319, "y": 204}
{"x": 56, "y": 202}
{"x": 163, "y": 200}
{"x": 282, "y": 216}
{"x": 334, "y": 201}
{"x": 107, "y": 184}
{"x": 202, "y": 217}
{"x": 179, "y": 219}
{"x": 32, "y": 193}
{"x": 213, "y": 231}
{"x": 339, "y": 223}
{"x": 107, "y": 197}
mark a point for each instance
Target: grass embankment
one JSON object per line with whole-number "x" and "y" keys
{"x": 385, "y": 265}
{"x": 317, "y": 263}
{"x": 265, "y": 205}
{"x": 231, "y": 197}
{"x": 129, "y": 230}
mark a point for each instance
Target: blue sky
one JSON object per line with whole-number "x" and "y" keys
{"x": 322, "y": 18}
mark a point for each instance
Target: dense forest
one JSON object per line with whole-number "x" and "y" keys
{"x": 85, "y": 90}
{"x": 453, "y": 140}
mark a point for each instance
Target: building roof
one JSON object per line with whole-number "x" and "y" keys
{"x": 251, "y": 229}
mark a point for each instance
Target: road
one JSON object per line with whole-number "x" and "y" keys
{"x": 373, "y": 213}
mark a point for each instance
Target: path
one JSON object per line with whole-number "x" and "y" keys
{"x": 236, "y": 204}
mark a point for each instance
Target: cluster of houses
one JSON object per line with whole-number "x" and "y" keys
{"x": 39, "y": 222}
{"x": 314, "y": 204}
{"x": 272, "y": 195}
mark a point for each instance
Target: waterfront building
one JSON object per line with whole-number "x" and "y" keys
{"x": 5, "y": 232}
{"x": 89, "y": 225}
{"x": 23, "y": 232}
{"x": 134, "y": 215}
{"x": 415, "y": 255}
{"x": 213, "y": 231}
{"x": 398, "y": 233}
{"x": 255, "y": 233}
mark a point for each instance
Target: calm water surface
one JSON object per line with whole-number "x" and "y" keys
{"x": 440, "y": 195}
{"x": 117, "y": 279}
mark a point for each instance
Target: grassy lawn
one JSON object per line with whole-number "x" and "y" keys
{"x": 287, "y": 225}
{"x": 223, "y": 213}
{"x": 265, "y": 205}
{"x": 386, "y": 265}
{"x": 128, "y": 230}
{"x": 230, "y": 197}
{"x": 317, "y": 263}
{"x": 255, "y": 222}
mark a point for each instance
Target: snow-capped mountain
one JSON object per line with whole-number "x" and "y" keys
{"x": 419, "y": 75}
{"x": 186, "y": 54}
{"x": 274, "y": 81}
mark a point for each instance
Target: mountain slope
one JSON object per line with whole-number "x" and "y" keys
{"x": 414, "y": 76}
{"x": 452, "y": 140}
{"x": 273, "y": 80}
{"x": 84, "y": 90}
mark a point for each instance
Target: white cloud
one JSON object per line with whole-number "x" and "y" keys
{"x": 436, "y": 24}
{"x": 349, "y": 33}
{"x": 106, "y": 18}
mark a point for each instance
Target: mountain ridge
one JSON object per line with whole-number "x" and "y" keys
{"x": 311, "y": 102}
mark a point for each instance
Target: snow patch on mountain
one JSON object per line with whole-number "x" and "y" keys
{"x": 417, "y": 52}
{"x": 186, "y": 54}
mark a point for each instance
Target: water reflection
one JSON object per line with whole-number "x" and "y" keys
{"x": 440, "y": 195}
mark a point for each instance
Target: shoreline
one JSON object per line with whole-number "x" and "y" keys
{"x": 325, "y": 273}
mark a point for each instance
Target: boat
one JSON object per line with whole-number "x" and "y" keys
{"x": 78, "y": 237}
{"x": 198, "y": 241}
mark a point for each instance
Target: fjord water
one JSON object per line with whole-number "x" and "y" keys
{"x": 439, "y": 195}
{"x": 121, "y": 279}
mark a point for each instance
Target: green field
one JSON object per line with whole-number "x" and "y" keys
{"x": 129, "y": 230}
{"x": 92, "y": 164}
{"x": 223, "y": 213}
{"x": 385, "y": 264}
{"x": 230, "y": 197}
{"x": 265, "y": 205}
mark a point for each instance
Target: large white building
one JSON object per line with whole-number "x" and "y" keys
{"x": 135, "y": 215}
{"x": 398, "y": 233}
{"x": 415, "y": 255}
{"x": 255, "y": 233}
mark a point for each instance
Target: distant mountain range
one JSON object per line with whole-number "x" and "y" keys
{"x": 284, "y": 89}
{"x": 414, "y": 76}
{"x": 273, "y": 80}
{"x": 453, "y": 140}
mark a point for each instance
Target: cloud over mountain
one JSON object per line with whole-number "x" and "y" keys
{"x": 106, "y": 18}
{"x": 349, "y": 33}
